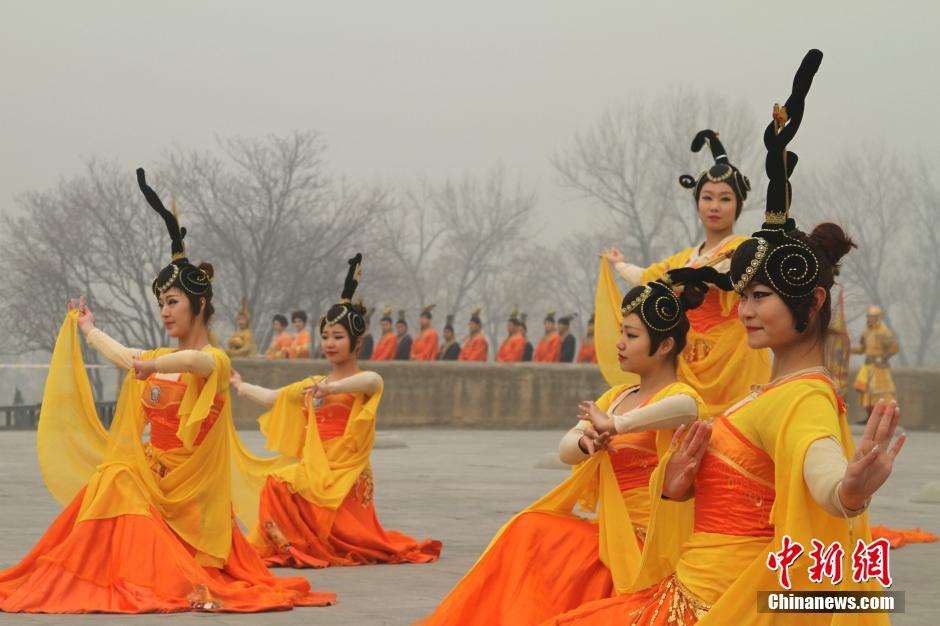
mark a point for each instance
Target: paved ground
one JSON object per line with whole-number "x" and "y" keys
{"x": 458, "y": 486}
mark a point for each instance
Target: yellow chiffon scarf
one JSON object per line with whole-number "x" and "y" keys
{"x": 195, "y": 498}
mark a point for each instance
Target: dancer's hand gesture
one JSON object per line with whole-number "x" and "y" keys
{"x": 601, "y": 421}
{"x": 873, "y": 460}
{"x": 235, "y": 380}
{"x": 592, "y": 441}
{"x": 685, "y": 459}
{"x": 86, "y": 321}
{"x": 613, "y": 255}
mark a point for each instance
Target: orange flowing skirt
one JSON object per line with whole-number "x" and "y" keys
{"x": 669, "y": 602}
{"x": 296, "y": 533}
{"x": 542, "y": 565}
{"x": 137, "y": 564}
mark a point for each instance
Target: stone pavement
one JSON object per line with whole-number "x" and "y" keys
{"x": 458, "y": 486}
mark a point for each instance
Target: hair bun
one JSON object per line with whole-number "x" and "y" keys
{"x": 832, "y": 242}
{"x": 207, "y": 268}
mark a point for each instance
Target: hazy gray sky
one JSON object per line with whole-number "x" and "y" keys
{"x": 404, "y": 89}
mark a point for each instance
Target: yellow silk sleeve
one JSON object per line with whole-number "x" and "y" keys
{"x": 658, "y": 270}
{"x": 607, "y": 320}
{"x": 70, "y": 440}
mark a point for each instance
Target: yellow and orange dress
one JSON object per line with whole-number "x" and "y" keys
{"x": 548, "y": 349}
{"x": 474, "y": 349}
{"x": 548, "y": 559}
{"x": 300, "y": 345}
{"x": 280, "y": 347}
{"x": 147, "y": 527}
{"x": 511, "y": 350}
{"x": 751, "y": 490}
{"x": 318, "y": 510}
{"x": 717, "y": 360}
{"x": 425, "y": 346}
{"x": 386, "y": 348}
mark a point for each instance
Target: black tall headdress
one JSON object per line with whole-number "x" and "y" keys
{"x": 449, "y": 322}
{"x": 777, "y": 255}
{"x": 721, "y": 172}
{"x": 194, "y": 280}
{"x": 475, "y": 315}
{"x": 344, "y": 312}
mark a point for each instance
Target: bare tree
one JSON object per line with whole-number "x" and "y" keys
{"x": 279, "y": 228}
{"x": 483, "y": 221}
{"x": 414, "y": 229}
{"x": 921, "y": 296}
{"x": 866, "y": 205}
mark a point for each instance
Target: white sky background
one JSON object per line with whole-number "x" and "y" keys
{"x": 404, "y": 89}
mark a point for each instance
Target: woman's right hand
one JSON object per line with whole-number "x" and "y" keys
{"x": 613, "y": 255}
{"x": 235, "y": 380}
{"x": 86, "y": 321}
{"x": 592, "y": 441}
{"x": 683, "y": 464}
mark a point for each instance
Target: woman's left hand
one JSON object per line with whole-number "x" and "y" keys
{"x": 143, "y": 369}
{"x": 873, "y": 459}
{"x": 601, "y": 421}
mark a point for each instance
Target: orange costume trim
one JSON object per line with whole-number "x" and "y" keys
{"x": 547, "y": 559}
{"x": 320, "y": 511}
{"x": 300, "y": 345}
{"x": 548, "y": 349}
{"x": 425, "y": 346}
{"x": 119, "y": 547}
{"x": 511, "y": 350}
{"x": 474, "y": 349}
{"x": 280, "y": 347}
{"x": 386, "y": 347}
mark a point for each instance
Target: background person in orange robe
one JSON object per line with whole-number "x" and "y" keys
{"x": 300, "y": 345}
{"x": 281, "y": 344}
{"x": 388, "y": 343}
{"x": 587, "y": 354}
{"x": 425, "y": 345}
{"x": 475, "y": 348}
{"x": 512, "y": 349}
{"x": 549, "y": 348}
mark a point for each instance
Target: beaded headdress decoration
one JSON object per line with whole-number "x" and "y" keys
{"x": 657, "y": 305}
{"x": 721, "y": 172}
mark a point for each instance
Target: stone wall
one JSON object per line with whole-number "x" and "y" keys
{"x": 525, "y": 395}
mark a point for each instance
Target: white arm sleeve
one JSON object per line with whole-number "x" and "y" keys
{"x": 259, "y": 394}
{"x": 568, "y": 450}
{"x": 669, "y": 412}
{"x": 363, "y": 382}
{"x": 112, "y": 349}
{"x": 823, "y": 469}
{"x": 631, "y": 273}
{"x": 195, "y": 361}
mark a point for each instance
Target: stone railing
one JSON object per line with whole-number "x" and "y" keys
{"x": 525, "y": 395}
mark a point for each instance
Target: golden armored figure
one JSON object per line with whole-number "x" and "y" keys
{"x": 878, "y": 344}
{"x": 242, "y": 342}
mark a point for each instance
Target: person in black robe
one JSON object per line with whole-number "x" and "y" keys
{"x": 404, "y": 339}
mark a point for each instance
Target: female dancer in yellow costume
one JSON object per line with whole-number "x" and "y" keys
{"x": 717, "y": 361}
{"x": 318, "y": 509}
{"x": 147, "y": 527}
{"x": 778, "y": 464}
{"x": 548, "y": 559}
